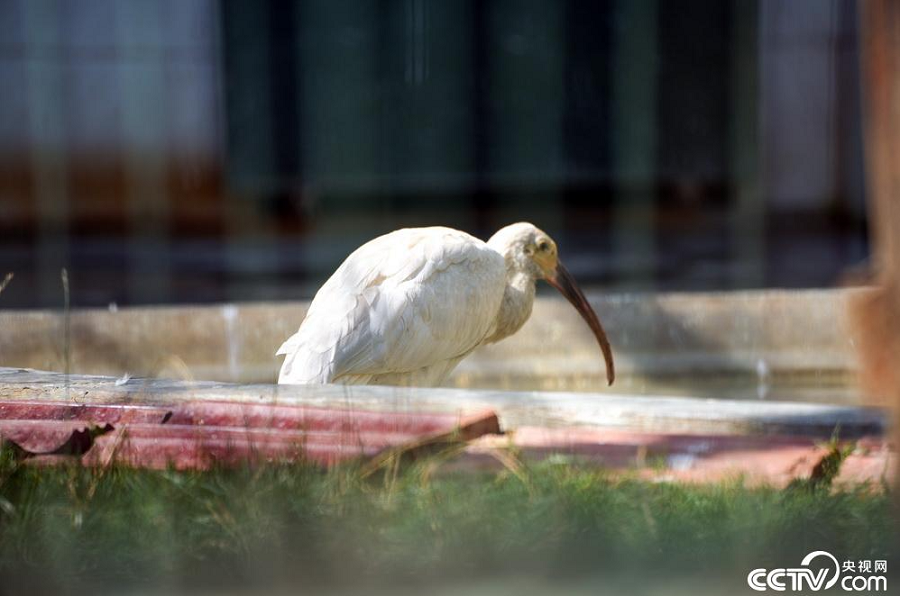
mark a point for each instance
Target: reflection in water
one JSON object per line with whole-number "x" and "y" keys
{"x": 819, "y": 388}
{"x": 824, "y": 387}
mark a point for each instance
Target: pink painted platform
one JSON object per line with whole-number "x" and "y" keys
{"x": 198, "y": 435}
{"x": 771, "y": 460}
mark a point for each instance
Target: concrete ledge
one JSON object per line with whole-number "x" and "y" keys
{"x": 515, "y": 409}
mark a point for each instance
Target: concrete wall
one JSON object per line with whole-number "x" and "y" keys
{"x": 752, "y": 333}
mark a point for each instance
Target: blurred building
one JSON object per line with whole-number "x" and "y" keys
{"x": 194, "y": 150}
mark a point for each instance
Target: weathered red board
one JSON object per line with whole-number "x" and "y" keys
{"x": 236, "y": 414}
{"x": 774, "y": 460}
{"x": 201, "y": 434}
{"x": 197, "y": 435}
{"x": 97, "y": 413}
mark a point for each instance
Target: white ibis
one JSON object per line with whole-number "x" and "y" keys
{"x": 407, "y": 307}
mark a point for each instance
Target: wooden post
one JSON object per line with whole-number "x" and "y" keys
{"x": 880, "y": 21}
{"x": 876, "y": 315}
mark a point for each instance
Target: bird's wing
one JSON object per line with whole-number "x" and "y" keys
{"x": 403, "y": 301}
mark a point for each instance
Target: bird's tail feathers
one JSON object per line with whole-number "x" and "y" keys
{"x": 302, "y": 367}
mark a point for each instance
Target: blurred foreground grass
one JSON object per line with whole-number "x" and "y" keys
{"x": 290, "y": 528}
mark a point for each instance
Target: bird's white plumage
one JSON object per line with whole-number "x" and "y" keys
{"x": 404, "y": 308}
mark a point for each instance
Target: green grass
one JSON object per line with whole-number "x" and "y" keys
{"x": 70, "y": 529}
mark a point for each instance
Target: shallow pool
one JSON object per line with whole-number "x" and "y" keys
{"x": 821, "y": 388}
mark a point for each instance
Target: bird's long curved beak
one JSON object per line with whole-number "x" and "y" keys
{"x": 563, "y": 281}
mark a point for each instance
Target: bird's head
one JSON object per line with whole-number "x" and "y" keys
{"x": 529, "y": 250}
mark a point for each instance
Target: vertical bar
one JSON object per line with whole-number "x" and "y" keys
{"x": 244, "y": 43}
{"x": 142, "y": 76}
{"x": 48, "y": 145}
{"x": 634, "y": 139}
{"x": 285, "y": 97}
{"x": 527, "y": 91}
{"x": 748, "y": 209}
{"x": 480, "y": 192}
{"x": 339, "y": 84}
{"x": 425, "y": 114}
{"x": 246, "y": 31}
{"x": 340, "y": 108}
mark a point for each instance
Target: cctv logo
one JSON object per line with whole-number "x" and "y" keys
{"x": 800, "y": 578}
{"x": 762, "y": 580}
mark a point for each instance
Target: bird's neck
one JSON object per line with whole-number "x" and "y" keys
{"x": 518, "y": 298}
